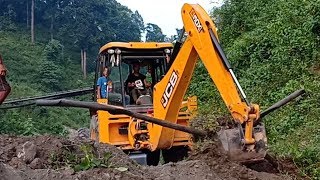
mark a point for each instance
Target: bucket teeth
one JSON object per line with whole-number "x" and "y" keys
{"x": 232, "y": 143}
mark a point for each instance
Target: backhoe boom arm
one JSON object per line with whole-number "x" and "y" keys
{"x": 169, "y": 92}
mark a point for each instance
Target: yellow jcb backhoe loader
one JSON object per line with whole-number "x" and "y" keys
{"x": 171, "y": 69}
{"x": 158, "y": 119}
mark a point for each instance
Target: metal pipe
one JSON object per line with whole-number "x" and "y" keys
{"x": 117, "y": 110}
{"x": 280, "y": 103}
{"x": 60, "y": 94}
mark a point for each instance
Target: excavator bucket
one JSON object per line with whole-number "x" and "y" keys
{"x": 232, "y": 143}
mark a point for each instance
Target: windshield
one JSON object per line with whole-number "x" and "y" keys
{"x": 152, "y": 67}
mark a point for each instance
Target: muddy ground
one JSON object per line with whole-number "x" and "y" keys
{"x": 50, "y": 157}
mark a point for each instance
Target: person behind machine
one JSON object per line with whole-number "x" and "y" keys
{"x": 136, "y": 83}
{"x": 149, "y": 80}
{"x": 4, "y": 86}
{"x": 104, "y": 85}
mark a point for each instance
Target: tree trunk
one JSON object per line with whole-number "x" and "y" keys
{"x": 27, "y": 14}
{"x": 51, "y": 27}
{"x": 81, "y": 60}
{"x": 84, "y": 64}
{"x": 32, "y": 21}
{"x": 81, "y": 53}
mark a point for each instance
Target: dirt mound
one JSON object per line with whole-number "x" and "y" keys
{"x": 209, "y": 162}
{"x": 26, "y": 151}
{"x": 210, "y": 151}
{"x": 212, "y": 154}
{"x": 49, "y": 157}
{"x": 186, "y": 170}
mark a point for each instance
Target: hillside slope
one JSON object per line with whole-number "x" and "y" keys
{"x": 33, "y": 72}
{"x": 274, "y": 48}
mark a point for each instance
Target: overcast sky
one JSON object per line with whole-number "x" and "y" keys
{"x": 165, "y": 13}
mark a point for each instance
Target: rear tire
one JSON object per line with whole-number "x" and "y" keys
{"x": 153, "y": 158}
{"x": 175, "y": 154}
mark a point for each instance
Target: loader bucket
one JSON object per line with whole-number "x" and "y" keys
{"x": 233, "y": 145}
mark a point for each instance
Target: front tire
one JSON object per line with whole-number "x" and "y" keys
{"x": 175, "y": 154}
{"x": 153, "y": 158}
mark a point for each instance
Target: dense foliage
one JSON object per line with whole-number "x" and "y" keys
{"x": 83, "y": 23}
{"x": 62, "y": 28}
{"x": 154, "y": 33}
{"x": 274, "y": 48}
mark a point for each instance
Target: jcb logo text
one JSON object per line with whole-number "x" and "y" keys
{"x": 169, "y": 89}
{"x": 196, "y": 20}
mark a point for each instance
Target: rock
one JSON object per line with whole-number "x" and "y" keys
{"x": 16, "y": 162}
{"x": 36, "y": 164}
{"x": 79, "y": 176}
{"x": 69, "y": 171}
{"x": 107, "y": 176}
{"x": 117, "y": 177}
{"x": 83, "y": 133}
{"x": 9, "y": 173}
{"x": 27, "y": 152}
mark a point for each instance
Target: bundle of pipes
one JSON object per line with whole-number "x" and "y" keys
{"x": 118, "y": 110}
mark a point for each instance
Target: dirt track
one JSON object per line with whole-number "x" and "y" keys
{"x": 45, "y": 157}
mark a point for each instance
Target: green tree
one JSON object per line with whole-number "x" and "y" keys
{"x": 154, "y": 33}
{"x": 274, "y": 48}
{"x": 49, "y": 76}
{"x": 175, "y": 37}
{"x": 50, "y": 73}
{"x": 138, "y": 21}
{"x": 54, "y": 51}
{"x": 51, "y": 12}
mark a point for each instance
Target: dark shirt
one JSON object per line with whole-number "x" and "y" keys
{"x": 138, "y": 80}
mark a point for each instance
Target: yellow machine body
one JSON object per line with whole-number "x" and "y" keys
{"x": 169, "y": 89}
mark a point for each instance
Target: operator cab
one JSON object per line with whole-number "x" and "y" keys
{"x": 121, "y": 60}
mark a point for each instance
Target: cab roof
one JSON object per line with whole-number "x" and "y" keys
{"x": 136, "y": 45}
